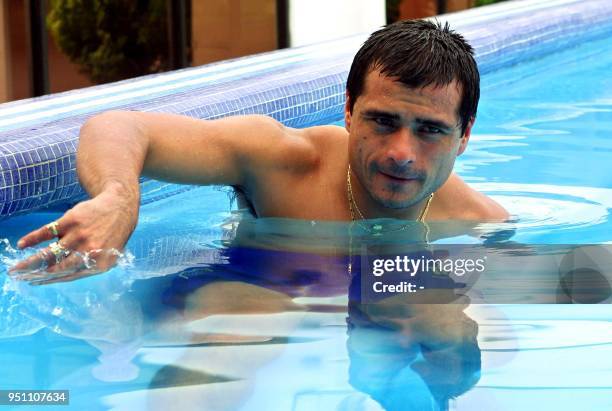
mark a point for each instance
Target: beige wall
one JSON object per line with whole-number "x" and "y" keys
{"x": 457, "y": 5}
{"x": 223, "y": 29}
{"x": 63, "y": 74}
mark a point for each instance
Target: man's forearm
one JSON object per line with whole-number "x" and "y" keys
{"x": 112, "y": 150}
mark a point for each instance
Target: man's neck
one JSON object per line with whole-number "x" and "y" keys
{"x": 371, "y": 209}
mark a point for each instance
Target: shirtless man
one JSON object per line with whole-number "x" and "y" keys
{"x": 411, "y": 101}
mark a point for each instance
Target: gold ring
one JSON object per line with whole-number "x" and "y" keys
{"x": 59, "y": 251}
{"x": 53, "y": 228}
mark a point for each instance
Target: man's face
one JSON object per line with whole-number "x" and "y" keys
{"x": 403, "y": 142}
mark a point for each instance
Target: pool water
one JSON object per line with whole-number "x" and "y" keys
{"x": 221, "y": 312}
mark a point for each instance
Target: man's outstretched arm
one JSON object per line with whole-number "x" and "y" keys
{"x": 120, "y": 146}
{"x": 115, "y": 148}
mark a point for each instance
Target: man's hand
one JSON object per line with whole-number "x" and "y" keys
{"x": 92, "y": 233}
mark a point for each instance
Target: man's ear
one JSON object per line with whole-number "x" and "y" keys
{"x": 466, "y": 136}
{"x": 347, "y": 113}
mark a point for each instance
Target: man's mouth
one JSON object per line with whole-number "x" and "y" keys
{"x": 399, "y": 178}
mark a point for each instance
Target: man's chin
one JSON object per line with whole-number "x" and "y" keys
{"x": 398, "y": 201}
{"x": 396, "y": 204}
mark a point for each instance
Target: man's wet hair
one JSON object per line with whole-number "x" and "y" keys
{"x": 419, "y": 53}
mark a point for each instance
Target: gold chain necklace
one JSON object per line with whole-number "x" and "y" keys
{"x": 353, "y": 207}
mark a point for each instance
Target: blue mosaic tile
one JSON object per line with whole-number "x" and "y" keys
{"x": 56, "y": 150}
{"x": 45, "y": 198}
{"x": 23, "y": 174}
{"x": 56, "y": 195}
{"x": 15, "y": 206}
{"x": 20, "y": 160}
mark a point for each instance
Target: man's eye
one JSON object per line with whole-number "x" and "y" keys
{"x": 384, "y": 122}
{"x": 430, "y": 130}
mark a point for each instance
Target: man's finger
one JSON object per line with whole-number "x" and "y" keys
{"x": 68, "y": 265}
{"x": 45, "y": 258}
{"x": 63, "y": 278}
{"x": 35, "y": 266}
{"x": 31, "y": 276}
{"x": 44, "y": 233}
{"x": 34, "y": 262}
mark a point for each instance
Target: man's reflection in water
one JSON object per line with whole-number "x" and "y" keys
{"x": 404, "y": 354}
{"x": 412, "y": 356}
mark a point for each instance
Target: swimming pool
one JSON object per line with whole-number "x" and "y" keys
{"x": 217, "y": 314}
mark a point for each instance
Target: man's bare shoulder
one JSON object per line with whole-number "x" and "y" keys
{"x": 327, "y": 137}
{"x": 289, "y": 153}
{"x": 311, "y": 172}
{"x": 330, "y": 143}
{"x": 458, "y": 201}
{"x": 280, "y": 150}
{"x": 318, "y": 139}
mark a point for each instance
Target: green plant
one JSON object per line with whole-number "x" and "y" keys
{"x": 111, "y": 39}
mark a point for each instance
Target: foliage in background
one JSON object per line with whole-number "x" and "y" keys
{"x": 111, "y": 39}
{"x": 485, "y": 2}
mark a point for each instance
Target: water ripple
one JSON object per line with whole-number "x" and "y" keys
{"x": 553, "y": 209}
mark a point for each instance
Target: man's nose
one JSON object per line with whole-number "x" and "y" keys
{"x": 402, "y": 147}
